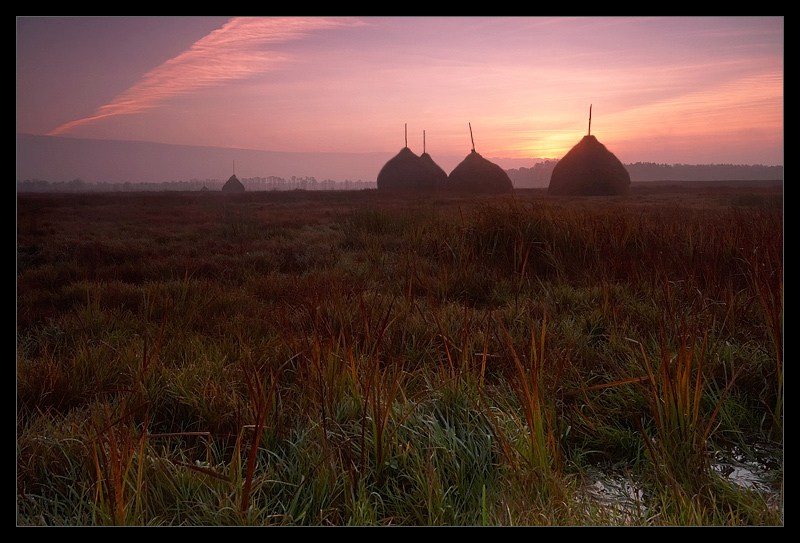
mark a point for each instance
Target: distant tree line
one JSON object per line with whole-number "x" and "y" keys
{"x": 303, "y": 183}
{"x": 250, "y": 184}
{"x": 539, "y": 174}
{"x": 536, "y": 176}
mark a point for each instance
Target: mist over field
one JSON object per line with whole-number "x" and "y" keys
{"x": 59, "y": 159}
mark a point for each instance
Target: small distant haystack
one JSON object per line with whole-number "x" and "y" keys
{"x": 589, "y": 169}
{"x": 406, "y": 171}
{"x": 477, "y": 174}
{"x": 233, "y": 185}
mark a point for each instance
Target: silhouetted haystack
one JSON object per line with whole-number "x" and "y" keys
{"x": 427, "y": 160}
{"x": 589, "y": 169}
{"x": 406, "y": 171}
{"x": 476, "y": 174}
{"x": 439, "y": 174}
{"x": 233, "y": 185}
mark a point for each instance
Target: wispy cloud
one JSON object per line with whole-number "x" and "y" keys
{"x": 234, "y": 51}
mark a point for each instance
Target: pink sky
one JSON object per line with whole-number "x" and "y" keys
{"x": 675, "y": 90}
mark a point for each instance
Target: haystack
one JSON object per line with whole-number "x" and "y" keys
{"x": 406, "y": 171}
{"x": 233, "y": 185}
{"x": 589, "y": 169}
{"x": 427, "y": 160}
{"x": 477, "y": 174}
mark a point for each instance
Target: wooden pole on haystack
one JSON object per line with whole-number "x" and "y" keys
{"x": 406, "y": 128}
{"x": 471, "y": 138}
{"x": 590, "y": 119}
{"x": 423, "y": 142}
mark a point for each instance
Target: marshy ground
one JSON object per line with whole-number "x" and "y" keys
{"x": 353, "y": 358}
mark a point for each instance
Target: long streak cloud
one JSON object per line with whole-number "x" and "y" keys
{"x": 234, "y": 51}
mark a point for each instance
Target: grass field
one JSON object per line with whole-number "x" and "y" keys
{"x": 353, "y": 358}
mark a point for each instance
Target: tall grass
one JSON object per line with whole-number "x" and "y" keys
{"x": 675, "y": 388}
{"x": 328, "y": 360}
{"x": 119, "y": 452}
{"x": 541, "y": 453}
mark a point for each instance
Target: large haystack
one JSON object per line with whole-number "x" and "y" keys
{"x": 476, "y": 174}
{"x": 589, "y": 169}
{"x": 406, "y": 171}
{"x": 233, "y": 185}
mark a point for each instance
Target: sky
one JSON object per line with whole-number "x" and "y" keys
{"x": 676, "y": 90}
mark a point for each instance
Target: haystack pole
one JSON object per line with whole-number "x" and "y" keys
{"x": 471, "y": 138}
{"x": 590, "y": 120}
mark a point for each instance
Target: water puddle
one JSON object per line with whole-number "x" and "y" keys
{"x": 617, "y": 492}
{"x": 625, "y": 501}
{"x": 763, "y": 474}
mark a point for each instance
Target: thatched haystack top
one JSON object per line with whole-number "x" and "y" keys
{"x": 406, "y": 171}
{"x": 233, "y": 185}
{"x": 477, "y": 174}
{"x": 589, "y": 169}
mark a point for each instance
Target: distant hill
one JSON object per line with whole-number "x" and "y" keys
{"x": 57, "y": 159}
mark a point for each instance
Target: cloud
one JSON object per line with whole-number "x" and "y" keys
{"x": 234, "y": 51}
